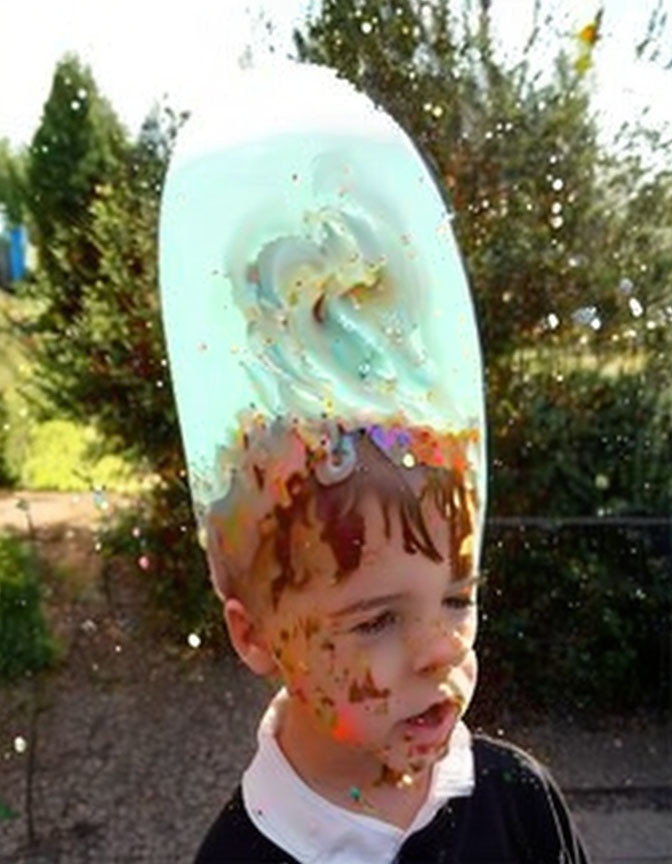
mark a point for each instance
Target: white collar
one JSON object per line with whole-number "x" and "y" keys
{"x": 315, "y": 831}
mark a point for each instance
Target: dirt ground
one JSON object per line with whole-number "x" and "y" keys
{"x": 128, "y": 749}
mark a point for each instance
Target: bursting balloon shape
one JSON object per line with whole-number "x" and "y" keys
{"x": 310, "y": 276}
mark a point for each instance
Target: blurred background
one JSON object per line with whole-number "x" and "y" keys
{"x": 549, "y": 126}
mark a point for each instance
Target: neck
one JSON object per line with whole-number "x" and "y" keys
{"x": 347, "y": 776}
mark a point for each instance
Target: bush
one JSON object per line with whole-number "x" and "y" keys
{"x": 59, "y": 455}
{"x": 577, "y": 616}
{"x": 6, "y": 477}
{"x": 25, "y": 642}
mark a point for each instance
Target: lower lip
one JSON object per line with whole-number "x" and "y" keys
{"x": 433, "y": 727}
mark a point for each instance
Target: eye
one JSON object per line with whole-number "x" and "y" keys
{"x": 459, "y": 601}
{"x": 376, "y": 625}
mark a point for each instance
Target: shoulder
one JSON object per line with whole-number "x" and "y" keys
{"x": 510, "y": 779}
{"x": 503, "y": 769}
{"x": 232, "y": 837}
{"x": 501, "y": 758}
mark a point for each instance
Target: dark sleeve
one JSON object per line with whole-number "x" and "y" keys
{"x": 515, "y": 815}
{"x": 531, "y": 805}
{"x": 233, "y": 838}
{"x": 554, "y": 822}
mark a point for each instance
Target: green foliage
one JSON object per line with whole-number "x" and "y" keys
{"x": 589, "y": 441}
{"x": 97, "y": 342}
{"x": 107, "y": 362}
{"x": 577, "y": 608}
{"x": 25, "y": 642}
{"x": 59, "y": 455}
{"x": 578, "y": 618}
{"x": 6, "y": 812}
{"x": 12, "y": 182}
{"x": 48, "y": 454}
{"x": 6, "y": 478}
{"x": 78, "y": 146}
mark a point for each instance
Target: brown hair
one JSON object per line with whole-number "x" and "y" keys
{"x": 338, "y": 507}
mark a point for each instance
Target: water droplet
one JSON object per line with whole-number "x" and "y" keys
{"x": 556, "y": 207}
{"x": 552, "y": 320}
{"x": 366, "y": 27}
{"x": 408, "y": 460}
{"x": 584, "y": 315}
{"x": 143, "y": 562}
{"x": 557, "y": 222}
{"x": 557, "y": 184}
{"x": 194, "y": 640}
{"x": 20, "y": 744}
{"x": 626, "y": 286}
{"x": 636, "y": 307}
{"x": 75, "y": 105}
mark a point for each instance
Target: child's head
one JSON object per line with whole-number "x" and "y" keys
{"x": 309, "y": 271}
{"x": 351, "y": 578}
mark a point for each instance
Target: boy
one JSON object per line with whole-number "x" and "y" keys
{"x": 361, "y": 599}
{"x": 333, "y": 421}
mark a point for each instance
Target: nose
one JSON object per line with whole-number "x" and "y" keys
{"x": 440, "y": 647}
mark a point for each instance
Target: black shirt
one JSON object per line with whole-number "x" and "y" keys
{"x": 515, "y": 815}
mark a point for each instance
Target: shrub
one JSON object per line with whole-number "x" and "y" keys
{"x": 25, "y": 642}
{"x": 60, "y": 454}
{"x": 577, "y": 616}
{"x": 6, "y": 477}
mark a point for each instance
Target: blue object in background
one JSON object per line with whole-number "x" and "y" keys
{"x": 17, "y": 253}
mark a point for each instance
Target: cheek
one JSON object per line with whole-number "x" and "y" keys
{"x": 461, "y": 682}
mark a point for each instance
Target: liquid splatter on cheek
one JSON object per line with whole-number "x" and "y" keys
{"x": 360, "y": 691}
{"x": 345, "y": 729}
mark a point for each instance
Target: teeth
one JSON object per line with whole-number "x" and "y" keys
{"x": 428, "y": 716}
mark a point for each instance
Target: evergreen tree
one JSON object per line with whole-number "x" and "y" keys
{"x": 78, "y": 146}
{"x": 106, "y": 362}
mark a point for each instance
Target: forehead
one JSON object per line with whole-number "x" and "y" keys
{"x": 385, "y": 564}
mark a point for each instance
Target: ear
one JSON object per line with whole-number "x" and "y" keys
{"x": 247, "y": 639}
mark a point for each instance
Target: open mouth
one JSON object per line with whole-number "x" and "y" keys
{"x": 432, "y": 717}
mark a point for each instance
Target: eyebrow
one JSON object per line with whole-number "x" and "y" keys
{"x": 369, "y": 603}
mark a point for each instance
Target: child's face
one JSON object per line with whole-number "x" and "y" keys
{"x": 365, "y": 658}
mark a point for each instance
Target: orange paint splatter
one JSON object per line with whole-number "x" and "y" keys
{"x": 343, "y": 730}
